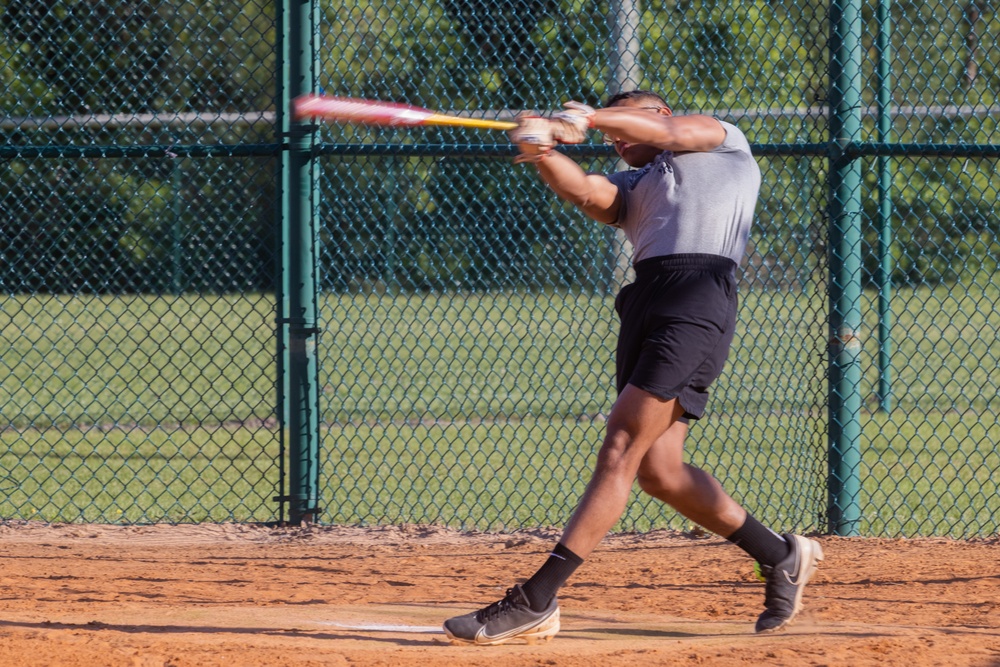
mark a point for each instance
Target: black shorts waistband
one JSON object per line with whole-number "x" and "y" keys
{"x": 684, "y": 262}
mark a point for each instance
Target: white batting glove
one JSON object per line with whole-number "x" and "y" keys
{"x": 533, "y": 136}
{"x": 570, "y": 125}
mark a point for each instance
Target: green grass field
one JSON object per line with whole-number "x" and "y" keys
{"x": 474, "y": 410}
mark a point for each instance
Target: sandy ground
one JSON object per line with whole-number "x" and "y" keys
{"x": 236, "y": 595}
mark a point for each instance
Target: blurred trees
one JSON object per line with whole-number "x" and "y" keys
{"x": 102, "y": 73}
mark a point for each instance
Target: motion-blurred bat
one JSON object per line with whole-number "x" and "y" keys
{"x": 374, "y": 112}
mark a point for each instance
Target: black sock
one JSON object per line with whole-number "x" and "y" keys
{"x": 763, "y": 544}
{"x": 544, "y": 584}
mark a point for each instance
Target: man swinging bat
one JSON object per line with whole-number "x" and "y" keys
{"x": 686, "y": 206}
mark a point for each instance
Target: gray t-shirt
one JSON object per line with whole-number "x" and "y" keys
{"x": 699, "y": 202}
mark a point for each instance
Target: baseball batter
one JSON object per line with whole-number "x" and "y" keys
{"x": 686, "y": 206}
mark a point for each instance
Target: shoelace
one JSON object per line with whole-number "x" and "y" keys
{"x": 497, "y": 608}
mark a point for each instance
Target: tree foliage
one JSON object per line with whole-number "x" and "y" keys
{"x": 100, "y": 73}
{"x": 105, "y": 68}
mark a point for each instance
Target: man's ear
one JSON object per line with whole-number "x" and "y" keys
{"x": 665, "y": 111}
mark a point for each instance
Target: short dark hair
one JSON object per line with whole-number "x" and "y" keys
{"x": 636, "y": 95}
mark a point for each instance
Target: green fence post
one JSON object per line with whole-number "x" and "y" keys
{"x": 299, "y": 292}
{"x": 845, "y": 268}
{"x": 883, "y": 73}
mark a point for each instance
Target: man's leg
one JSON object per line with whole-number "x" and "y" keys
{"x": 788, "y": 562}
{"x": 637, "y": 420}
{"x": 691, "y": 491}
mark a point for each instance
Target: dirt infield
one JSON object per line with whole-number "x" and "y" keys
{"x": 235, "y": 595}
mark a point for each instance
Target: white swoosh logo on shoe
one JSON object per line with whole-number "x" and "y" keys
{"x": 798, "y": 566}
{"x": 510, "y": 633}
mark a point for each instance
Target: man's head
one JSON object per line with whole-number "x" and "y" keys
{"x": 636, "y": 155}
{"x": 643, "y": 98}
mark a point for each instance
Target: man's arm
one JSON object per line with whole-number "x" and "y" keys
{"x": 593, "y": 194}
{"x": 660, "y": 128}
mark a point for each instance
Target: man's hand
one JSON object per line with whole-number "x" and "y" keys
{"x": 534, "y": 138}
{"x": 570, "y": 125}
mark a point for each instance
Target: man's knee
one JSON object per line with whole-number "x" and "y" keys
{"x": 658, "y": 485}
{"x": 619, "y": 453}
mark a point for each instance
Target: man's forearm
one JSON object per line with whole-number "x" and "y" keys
{"x": 593, "y": 194}
{"x": 668, "y": 132}
{"x": 564, "y": 177}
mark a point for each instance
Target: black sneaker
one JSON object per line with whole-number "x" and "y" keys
{"x": 786, "y": 581}
{"x": 510, "y": 618}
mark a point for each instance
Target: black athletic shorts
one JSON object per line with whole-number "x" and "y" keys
{"x": 677, "y": 323}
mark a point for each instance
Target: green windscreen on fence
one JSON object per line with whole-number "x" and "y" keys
{"x": 465, "y": 331}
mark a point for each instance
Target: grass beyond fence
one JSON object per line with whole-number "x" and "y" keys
{"x": 149, "y": 360}
{"x": 139, "y": 475}
{"x": 480, "y": 410}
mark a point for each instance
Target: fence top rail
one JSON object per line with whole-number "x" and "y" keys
{"x": 143, "y": 120}
{"x": 201, "y": 118}
{"x": 479, "y": 151}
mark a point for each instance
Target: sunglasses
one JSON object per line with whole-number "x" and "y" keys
{"x": 611, "y": 141}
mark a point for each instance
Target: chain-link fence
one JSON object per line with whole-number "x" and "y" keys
{"x": 194, "y": 284}
{"x": 137, "y": 261}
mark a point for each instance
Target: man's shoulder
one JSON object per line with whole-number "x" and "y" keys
{"x": 735, "y": 138}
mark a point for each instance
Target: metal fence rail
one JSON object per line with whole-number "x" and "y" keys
{"x": 214, "y": 313}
